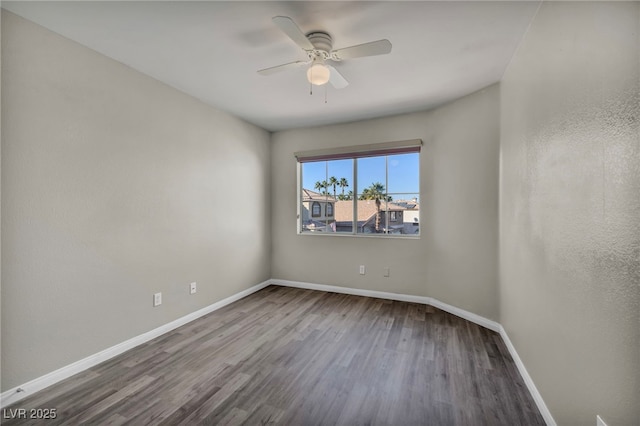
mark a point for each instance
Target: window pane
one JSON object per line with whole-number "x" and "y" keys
{"x": 370, "y": 215}
{"x": 344, "y": 216}
{"x": 312, "y": 173}
{"x": 340, "y": 189}
{"x": 314, "y": 197}
{"x": 371, "y": 194}
{"x": 324, "y": 182}
{"x": 340, "y": 177}
{"x": 403, "y": 173}
{"x": 408, "y": 217}
{"x": 370, "y": 171}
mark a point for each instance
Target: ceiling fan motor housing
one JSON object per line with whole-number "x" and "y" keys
{"x": 322, "y": 43}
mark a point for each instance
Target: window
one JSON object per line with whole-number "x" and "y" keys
{"x": 364, "y": 189}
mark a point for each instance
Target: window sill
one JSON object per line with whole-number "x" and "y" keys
{"x": 344, "y": 234}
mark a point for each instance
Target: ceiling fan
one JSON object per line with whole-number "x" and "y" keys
{"x": 318, "y": 46}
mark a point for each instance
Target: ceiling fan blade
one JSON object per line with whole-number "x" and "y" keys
{"x": 290, "y": 28}
{"x": 336, "y": 79}
{"x": 380, "y": 47}
{"x": 283, "y": 67}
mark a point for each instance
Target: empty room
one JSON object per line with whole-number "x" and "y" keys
{"x": 320, "y": 213}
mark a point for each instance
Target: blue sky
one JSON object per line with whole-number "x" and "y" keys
{"x": 403, "y": 178}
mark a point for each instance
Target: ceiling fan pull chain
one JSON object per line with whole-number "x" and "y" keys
{"x": 325, "y": 93}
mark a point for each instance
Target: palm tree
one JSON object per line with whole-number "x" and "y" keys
{"x": 346, "y": 197}
{"x": 333, "y": 182}
{"x": 375, "y": 191}
{"x": 322, "y": 186}
{"x": 343, "y": 183}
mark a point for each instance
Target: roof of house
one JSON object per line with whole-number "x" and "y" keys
{"x": 309, "y": 195}
{"x": 366, "y": 210}
{"x": 408, "y": 204}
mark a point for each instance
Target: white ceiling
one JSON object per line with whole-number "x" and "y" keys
{"x": 212, "y": 50}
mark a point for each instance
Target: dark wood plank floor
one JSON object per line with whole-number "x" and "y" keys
{"x": 299, "y": 357}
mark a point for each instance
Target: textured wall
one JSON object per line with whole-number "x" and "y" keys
{"x": 455, "y": 259}
{"x": 570, "y": 209}
{"x": 0, "y": 199}
{"x": 114, "y": 187}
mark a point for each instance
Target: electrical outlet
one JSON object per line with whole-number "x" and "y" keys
{"x": 599, "y": 421}
{"x": 192, "y": 288}
{"x": 361, "y": 269}
{"x": 157, "y": 299}
{"x": 386, "y": 271}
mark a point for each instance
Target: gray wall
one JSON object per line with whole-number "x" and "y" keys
{"x": 456, "y": 258}
{"x": 114, "y": 187}
{"x": 0, "y": 204}
{"x": 570, "y": 209}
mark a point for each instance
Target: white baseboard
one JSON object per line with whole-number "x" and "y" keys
{"x": 469, "y": 316}
{"x": 353, "y": 291}
{"x": 477, "y": 319}
{"x": 20, "y": 392}
{"x": 546, "y": 414}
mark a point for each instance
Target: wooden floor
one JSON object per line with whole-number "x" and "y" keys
{"x": 299, "y": 357}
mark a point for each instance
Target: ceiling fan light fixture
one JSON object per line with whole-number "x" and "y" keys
{"x": 318, "y": 74}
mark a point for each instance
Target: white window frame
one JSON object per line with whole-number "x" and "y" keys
{"x": 354, "y": 152}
